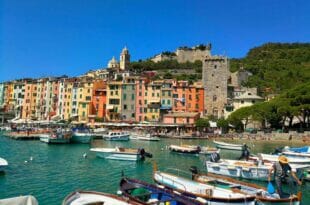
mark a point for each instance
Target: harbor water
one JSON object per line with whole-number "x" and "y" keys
{"x": 57, "y": 170}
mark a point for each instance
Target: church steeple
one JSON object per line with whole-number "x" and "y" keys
{"x": 124, "y": 59}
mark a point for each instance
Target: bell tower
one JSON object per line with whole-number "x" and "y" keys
{"x": 124, "y": 59}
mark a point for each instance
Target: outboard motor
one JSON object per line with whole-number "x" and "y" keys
{"x": 215, "y": 157}
{"x": 144, "y": 154}
{"x": 194, "y": 171}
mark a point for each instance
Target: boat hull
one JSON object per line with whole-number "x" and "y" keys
{"x": 116, "y": 138}
{"x": 111, "y": 153}
{"x": 223, "y": 145}
{"x": 184, "y": 150}
{"x": 84, "y": 138}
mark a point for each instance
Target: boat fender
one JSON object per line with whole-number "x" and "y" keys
{"x": 215, "y": 157}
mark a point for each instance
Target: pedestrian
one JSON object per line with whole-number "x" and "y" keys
{"x": 284, "y": 172}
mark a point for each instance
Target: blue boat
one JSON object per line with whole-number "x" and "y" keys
{"x": 81, "y": 135}
{"x": 146, "y": 193}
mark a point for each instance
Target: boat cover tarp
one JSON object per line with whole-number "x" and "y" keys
{"x": 21, "y": 200}
{"x": 300, "y": 149}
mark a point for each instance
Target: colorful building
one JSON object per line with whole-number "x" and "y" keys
{"x": 114, "y": 100}
{"x": 153, "y": 101}
{"x": 99, "y": 99}
{"x": 141, "y": 99}
{"x": 128, "y": 101}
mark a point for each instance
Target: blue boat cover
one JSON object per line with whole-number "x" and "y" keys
{"x": 300, "y": 149}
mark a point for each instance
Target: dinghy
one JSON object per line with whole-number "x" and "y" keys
{"x": 261, "y": 194}
{"x": 224, "y": 145}
{"x": 3, "y": 164}
{"x": 208, "y": 194}
{"x": 146, "y": 193}
{"x": 143, "y": 137}
{"x": 58, "y": 137}
{"x": 92, "y": 197}
{"x": 185, "y": 149}
{"x": 120, "y": 153}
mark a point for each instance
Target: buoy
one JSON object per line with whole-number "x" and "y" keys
{"x": 31, "y": 158}
{"x": 26, "y": 161}
{"x": 119, "y": 192}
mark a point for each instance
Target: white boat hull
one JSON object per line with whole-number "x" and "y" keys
{"x": 223, "y": 145}
{"x": 296, "y": 154}
{"x": 3, "y": 164}
{"x": 292, "y": 160}
{"x": 112, "y": 153}
{"x": 116, "y": 138}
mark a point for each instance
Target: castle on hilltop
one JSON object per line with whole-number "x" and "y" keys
{"x": 184, "y": 54}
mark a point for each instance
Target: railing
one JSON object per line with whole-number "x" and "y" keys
{"x": 173, "y": 182}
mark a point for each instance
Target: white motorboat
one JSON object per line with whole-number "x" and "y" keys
{"x": 224, "y": 145}
{"x": 143, "y": 137}
{"x": 3, "y": 164}
{"x": 185, "y": 149}
{"x": 209, "y": 150}
{"x": 299, "y": 152}
{"x": 92, "y": 197}
{"x": 20, "y": 200}
{"x": 119, "y": 153}
{"x": 291, "y": 160}
{"x": 205, "y": 193}
{"x": 116, "y": 136}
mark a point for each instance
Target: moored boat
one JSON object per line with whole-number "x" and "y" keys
{"x": 120, "y": 153}
{"x": 240, "y": 169}
{"x": 208, "y": 194}
{"x": 146, "y": 193}
{"x": 116, "y": 136}
{"x": 58, "y": 137}
{"x": 3, "y": 164}
{"x": 92, "y": 197}
{"x": 261, "y": 194}
{"x": 186, "y": 149}
{"x": 228, "y": 146}
{"x": 81, "y": 136}
{"x": 20, "y": 200}
{"x": 144, "y": 137}
{"x": 292, "y": 160}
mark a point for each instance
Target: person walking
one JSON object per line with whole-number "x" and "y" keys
{"x": 284, "y": 172}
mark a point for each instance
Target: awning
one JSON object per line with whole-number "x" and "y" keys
{"x": 110, "y": 107}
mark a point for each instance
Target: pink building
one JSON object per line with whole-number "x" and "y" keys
{"x": 141, "y": 96}
{"x": 181, "y": 118}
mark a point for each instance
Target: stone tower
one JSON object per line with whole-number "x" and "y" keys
{"x": 124, "y": 59}
{"x": 214, "y": 77}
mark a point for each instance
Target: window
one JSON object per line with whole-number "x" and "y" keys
{"x": 145, "y": 110}
{"x": 88, "y": 90}
{"x": 125, "y": 107}
{"x": 175, "y": 120}
{"x": 153, "y": 94}
{"x": 157, "y": 94}
{"x": 145, "y": 102}
{"x": 124, "y": 96}
{"x": 140, "y": 102}
{"x": 140, "y": 93}
{"x": 215, "y": 66}
{"x": 168, "y": 102}
{"x": 141, "y": 110}
{"x": 124, "y": 87}
{"x": 145, "y": 94}
{"x": 88, "y": 98}
{"x": 84, "y": 105}
{"x": 163, "y": 101}
{"x": 132, "y": 114}
{"x": 132, "y": 96}
{"x": 116, "y": 92}
{"x": 114, "y": 101}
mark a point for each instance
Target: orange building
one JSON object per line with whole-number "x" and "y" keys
{"x": 99, "y": 99}
{"x": 180, "y": 95}
{"x": 194, "y": 98}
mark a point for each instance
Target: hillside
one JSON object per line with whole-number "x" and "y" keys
{"x": 276, "y": 67}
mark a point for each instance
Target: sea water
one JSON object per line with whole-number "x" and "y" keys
{"x": 57, "y": 170}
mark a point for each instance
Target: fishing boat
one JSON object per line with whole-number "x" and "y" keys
{"x": 58, "y": 137}
{"x": 20, "y": 200}
{"x": 208, "y": 194}
{"x": 116, "y": 136}
{"x": 185, "y": 149}
{"x": 228, "y": 146}
{"x": 143, "y": 137}
{"x": 209, "y": 150}
{"x": 81, "y": 136}
{"x": 92, "y": 197}
{"x": 146, "y": 193}
{"x": 120, "y": 153}
{"x": 254, "y": 170}
{"x": 261, "y": 194}
{"x": 292, "y": 160}
{"x": 3, "y": 164}
{"x": 240, "y": 169}
{"x": 299, "y": 152}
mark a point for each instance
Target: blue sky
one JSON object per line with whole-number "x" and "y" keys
{"x": 54, "y": 37}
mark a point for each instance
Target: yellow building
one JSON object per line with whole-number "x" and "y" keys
{"x": 67, "y": 106}
{"x": 29, "y": 106}
{"x": 152, "y": 94}
{"x": 85, "y": 90}
{"x": 114, "y": 100}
